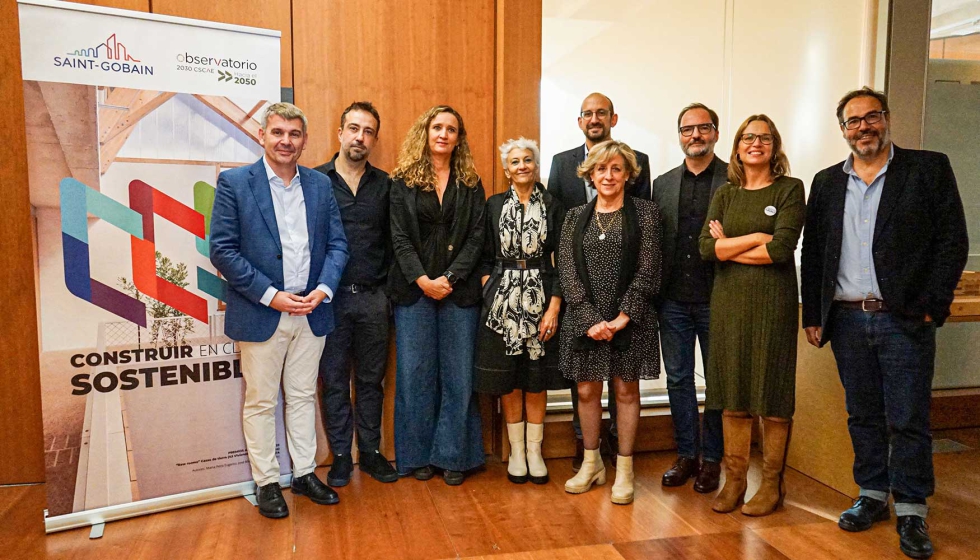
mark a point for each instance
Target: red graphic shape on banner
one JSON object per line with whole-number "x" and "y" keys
{"x": 149, "y": 202}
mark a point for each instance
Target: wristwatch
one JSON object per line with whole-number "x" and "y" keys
{"x": 451, "y": 277}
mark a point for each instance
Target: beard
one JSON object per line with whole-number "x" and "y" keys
{"x": 872, "y": 149}
{"x": 696, "y": 150}
{"x": 356, "y": 153}
{"x": 597, "y": 133}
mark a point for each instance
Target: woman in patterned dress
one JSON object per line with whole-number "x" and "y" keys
{"x": 517, "y": 350}
{"x": 752, "y": 229}
{"x": 609, "y": 263}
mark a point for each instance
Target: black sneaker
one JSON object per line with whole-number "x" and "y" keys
{"x": 863, "y": 514}
{"x": 914, "y": 536}
{"x": 424, "y": 473}
{"x": 453, "y": 478}
{"x": 341, "y": 470}
{"x": 377, "y": 466}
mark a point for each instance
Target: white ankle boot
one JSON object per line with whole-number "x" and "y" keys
{"x": 592, "y": 471}
{"x": 535, "y": 462}
{"x": 517, "y": 464}
{"x": 622, "y": 490}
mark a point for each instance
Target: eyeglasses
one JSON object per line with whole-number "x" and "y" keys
{"x": 601, "y": 113}
{"x": 704, "y": 128}
{"x": 873, "y": 117}
{"x": 748, "y": 138}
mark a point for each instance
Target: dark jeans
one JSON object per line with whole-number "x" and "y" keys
{"x": 577, "y": 424}
{"x": 886, "y": 365}
{"x": 360, "y": 336}
{"x": 680, "y": 324}
{"x": 437, "y": 416}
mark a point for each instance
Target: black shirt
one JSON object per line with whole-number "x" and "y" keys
{"x": 690, "y": 280}
{"x": 435, "y": 221}
{"x": 366, "y": 224}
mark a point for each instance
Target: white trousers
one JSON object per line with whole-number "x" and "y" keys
{"x": 292, "y": 356}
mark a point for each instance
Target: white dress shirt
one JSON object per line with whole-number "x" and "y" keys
{"x": 590, "y": 190}
{"x": 290, "y": 208}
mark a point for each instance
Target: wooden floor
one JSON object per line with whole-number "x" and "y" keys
{"x": 489, "y": 517}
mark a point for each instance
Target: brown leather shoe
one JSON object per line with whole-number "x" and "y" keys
{"x": 708, "y": 477}
{"x": 579, "y": 455}
{"x": 683, "y": 469}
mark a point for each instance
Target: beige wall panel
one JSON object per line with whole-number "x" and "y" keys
{"x": 962, "y": 48}
{"x": 404, "y": 56}
{"x": 268, "y": 14}
{"x": 793, "y": 61}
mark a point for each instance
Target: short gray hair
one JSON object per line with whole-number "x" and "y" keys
{"x": 287, "y": 111}
{"x": 520, "y": 144}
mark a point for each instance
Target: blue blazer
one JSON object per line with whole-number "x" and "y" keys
{"x": 246, "y": 249}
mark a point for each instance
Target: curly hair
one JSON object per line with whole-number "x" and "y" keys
{"x": 415, "y": 160}
{"x": 604, "y": 152}
{"x": 778, "y": 164}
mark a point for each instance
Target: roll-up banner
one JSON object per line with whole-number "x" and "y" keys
{"x": 130, "y": 119}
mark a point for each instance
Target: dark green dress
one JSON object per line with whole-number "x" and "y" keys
{"x": 755, "y": 308}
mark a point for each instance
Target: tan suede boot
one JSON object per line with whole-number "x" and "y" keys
{"x": 622, "y": 490}
{"x": 517, "y": 463}
{"x": 775, "y": 436}
{"x": 592, "y": 471}
{"x": 738, "y": 443}
{"x": 536, "y": 468}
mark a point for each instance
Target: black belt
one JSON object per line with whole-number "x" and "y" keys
{"x": 357, "y": 288}
{"x": 523, "y": 264}
{"x": 868, "y": 305}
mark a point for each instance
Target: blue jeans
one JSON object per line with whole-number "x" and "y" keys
{"x": 680, "y": 324}
{"x": 437, "y": 417}
{"x": 886, "y": 365}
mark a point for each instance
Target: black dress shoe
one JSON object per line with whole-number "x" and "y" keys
{"x": 863, "y": 514}
{"x": 309, "y": 485}
{"x": 377, "y": 466}
{"x": 271, "y": 502}
{"x": 683, "y": 469}
{"x": 453, "y": 478}
{"x": 579, "y": 455}
{"x": 914, "y": 536}
{"x": 424, "y": 473}
{"x": 708, "y": 477}
{"x": 340, "y": 471}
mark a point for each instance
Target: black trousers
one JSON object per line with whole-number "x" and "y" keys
{"x": 359, "y": 339}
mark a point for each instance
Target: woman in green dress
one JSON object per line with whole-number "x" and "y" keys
{"x": 753, "y": 225}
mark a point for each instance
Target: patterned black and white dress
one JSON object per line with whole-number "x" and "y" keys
{"x": 509, "y": 355}
{"x": 600, "y": 278}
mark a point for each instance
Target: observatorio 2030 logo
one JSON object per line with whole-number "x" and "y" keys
{"x": 108, "y": 56}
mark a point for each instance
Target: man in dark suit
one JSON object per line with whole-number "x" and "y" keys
{"x": 277, "y": 237}
{"x": 884, "y": 246}
{"x": 596, "y": 120}
{"x": 683, "y": 195}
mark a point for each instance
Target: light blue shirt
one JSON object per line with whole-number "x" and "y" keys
{"x": 290, "y": 209}
{"x": 856, "y": 277}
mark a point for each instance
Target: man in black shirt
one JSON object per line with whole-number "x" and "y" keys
{"x": 683, "y": 195}
{"x": 360, "y": 305}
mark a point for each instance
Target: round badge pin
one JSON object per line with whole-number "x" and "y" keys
{"x": 770, "y": 210}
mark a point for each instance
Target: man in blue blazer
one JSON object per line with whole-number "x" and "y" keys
{"x": 277, "y": 238}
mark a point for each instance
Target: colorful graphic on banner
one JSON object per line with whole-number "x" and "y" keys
{"x": 141, "y": 389}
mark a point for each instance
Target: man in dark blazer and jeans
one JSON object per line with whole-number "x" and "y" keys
{"x": 596, "y": 119}
{"x": 884, "y": 246}
{"x": 683, "y": 195}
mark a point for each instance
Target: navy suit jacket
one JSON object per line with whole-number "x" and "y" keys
{"x": 565, "y": 185}
{"x": 246, "y": 249}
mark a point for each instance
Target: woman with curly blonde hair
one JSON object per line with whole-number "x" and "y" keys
{"x": 437, "y": 203}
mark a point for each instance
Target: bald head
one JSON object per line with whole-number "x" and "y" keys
{"x": 597, "y": 118}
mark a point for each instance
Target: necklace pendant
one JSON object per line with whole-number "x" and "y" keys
{"x": 602, "y": 237}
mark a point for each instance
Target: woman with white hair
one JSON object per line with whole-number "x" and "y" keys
{"x": 517, "y": 350}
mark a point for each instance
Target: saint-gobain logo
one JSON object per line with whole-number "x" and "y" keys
{"x": 108, "y": 56}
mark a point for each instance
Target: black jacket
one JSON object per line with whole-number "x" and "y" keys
{"x": 666, "y": 193}
{"x": 491, "y": 245}
{"x": 465, "y": 244}
{"x": 920, "y": 243}
{"x": 565, "y": 185}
